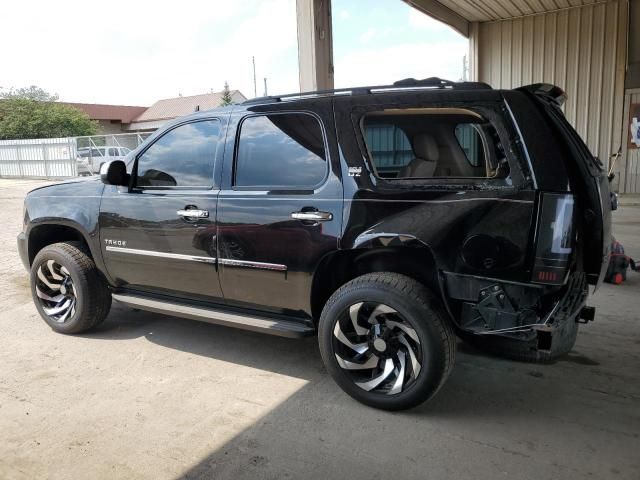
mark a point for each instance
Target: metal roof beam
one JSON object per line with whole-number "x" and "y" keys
{"x": 435, "y": 9}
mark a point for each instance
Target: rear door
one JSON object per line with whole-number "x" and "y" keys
{"x": 587, "y": 178}
{"x": 280, "y": 208}
{"x": 159, "y": 235}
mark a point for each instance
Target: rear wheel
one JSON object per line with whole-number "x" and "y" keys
{"x": 385, "y": 341}
{"x": 67, "y": 289}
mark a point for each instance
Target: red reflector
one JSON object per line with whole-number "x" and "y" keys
{"x": 547, "y": 276}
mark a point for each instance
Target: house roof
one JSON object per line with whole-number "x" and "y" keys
{"x": 179, "y": 106}
{"x": 96, "y": 111}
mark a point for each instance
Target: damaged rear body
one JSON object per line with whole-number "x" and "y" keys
{"x": 513, "y": 237}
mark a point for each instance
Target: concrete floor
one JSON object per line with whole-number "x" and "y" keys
{"x": 149, "y": 396}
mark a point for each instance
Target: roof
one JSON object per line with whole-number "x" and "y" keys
{"x": 96, "y": 111}
{"x": 459, "y": 13}
{"x": 180, "y": 106}
{"x": 488, "y": 10}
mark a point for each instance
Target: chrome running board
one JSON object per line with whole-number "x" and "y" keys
{"x": 273, "y": 326}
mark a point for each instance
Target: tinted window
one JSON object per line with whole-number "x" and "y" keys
{"x": 183, "y": 157}
{"x": 113, "y": 152}
{"x": 284, "y": 150}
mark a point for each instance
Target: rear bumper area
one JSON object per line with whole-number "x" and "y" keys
{"x": 560, "y": 323}
{"x": 489, "y": 306}
{"x": 22, "y": 250}
{"x": 523, "y": 316}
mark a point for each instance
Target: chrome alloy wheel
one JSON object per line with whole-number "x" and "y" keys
{"x": 55, "y": 291}
{"x": 378, "y": 348}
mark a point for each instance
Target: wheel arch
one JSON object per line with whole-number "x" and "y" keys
{"x": 47, "y": 233}
{"x": 416, "y": 260}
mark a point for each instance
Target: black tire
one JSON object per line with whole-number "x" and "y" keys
{"x": 419, "y": 309}
{"x": 88, "y": 288}
{"x": 526, "y": 348}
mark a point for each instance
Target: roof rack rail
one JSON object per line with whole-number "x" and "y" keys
{"x": 405, "y": 84}
{"x": 437, "y": 82}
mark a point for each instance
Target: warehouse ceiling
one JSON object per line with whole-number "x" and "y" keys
{"x": 458, "y": 13}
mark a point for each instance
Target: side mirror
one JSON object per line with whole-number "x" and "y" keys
{"x": 114, "y": 173}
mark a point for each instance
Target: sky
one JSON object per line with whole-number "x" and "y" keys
{"x": 136, "y": 52}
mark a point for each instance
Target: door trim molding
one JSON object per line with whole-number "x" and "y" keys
{"x": 153, "y": 253}
{"x": 245, "y": 263}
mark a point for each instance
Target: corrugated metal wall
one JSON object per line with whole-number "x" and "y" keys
{"x": 631, "y": 176}
{"x": 582, "y": 50}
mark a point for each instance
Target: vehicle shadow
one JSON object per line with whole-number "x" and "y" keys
{"x": 489, "y": 406}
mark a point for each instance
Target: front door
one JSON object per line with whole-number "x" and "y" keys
{"x": 158, "y": 236}
{"x": 280, "y": 212}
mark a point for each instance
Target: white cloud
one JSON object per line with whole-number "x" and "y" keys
{"x": 368, "y": 35}
{"x": 383, "y": 66}
{"x": 137, "y": 52}
{"x": 422, "y": 21}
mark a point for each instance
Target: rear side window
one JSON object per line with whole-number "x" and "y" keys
{"x": 113, "y": 152}
{"x": 280, "y": 150}
{"x": 182, "y": 157}
{"x": 431, "y": 143}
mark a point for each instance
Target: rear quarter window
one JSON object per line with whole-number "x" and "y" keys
{"x": 431, "y": 143}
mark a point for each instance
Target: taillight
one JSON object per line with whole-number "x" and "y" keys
{"x": 554, "y": 238}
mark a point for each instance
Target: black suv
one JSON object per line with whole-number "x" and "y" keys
{"x": 385, "y": 219}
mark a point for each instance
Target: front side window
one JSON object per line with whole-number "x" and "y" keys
{"x": 182, "y": 157}
{"x": 431, "y": 143}
{"x": 280, "y": 150}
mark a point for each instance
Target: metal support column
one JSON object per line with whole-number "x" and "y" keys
{"x": 315, "y": 44}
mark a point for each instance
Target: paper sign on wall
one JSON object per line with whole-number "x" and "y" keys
{"x": 634, "y": 125}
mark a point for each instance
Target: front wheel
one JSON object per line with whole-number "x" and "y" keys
{"x": 385, "y": 341}
{"x": 68, "y": 291}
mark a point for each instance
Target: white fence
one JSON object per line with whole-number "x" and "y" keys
{"x": 56, "y": 157}
{"x": 40, "y": 158}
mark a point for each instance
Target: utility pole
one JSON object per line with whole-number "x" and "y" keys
{"x": 255, "y": 85}
{"x": 265, "y": 87}
{"x": 465, "y": 69}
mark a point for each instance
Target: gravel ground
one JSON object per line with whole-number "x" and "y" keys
{"x": 150, "y": 396}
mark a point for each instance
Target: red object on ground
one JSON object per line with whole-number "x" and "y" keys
{"x": 618, "y": 278}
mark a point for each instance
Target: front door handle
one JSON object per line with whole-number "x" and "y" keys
{"x": 193, "y": 213}
{"x": 313, "y": 216}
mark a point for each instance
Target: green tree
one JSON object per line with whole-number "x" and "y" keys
{"x": 226, "y": 96}
{"x": 34, "y": 113}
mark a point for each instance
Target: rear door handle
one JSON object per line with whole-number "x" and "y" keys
{"x": 313, "y": 216}
{"x": 193, "y": 213}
